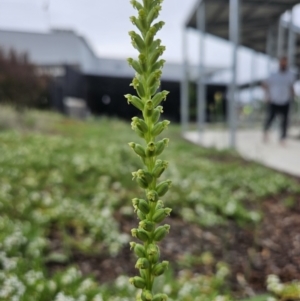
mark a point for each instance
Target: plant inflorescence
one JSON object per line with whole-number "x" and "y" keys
{"x": 150, "y": 209}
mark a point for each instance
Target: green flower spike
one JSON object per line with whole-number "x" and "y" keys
{"x": 150, "y": 209}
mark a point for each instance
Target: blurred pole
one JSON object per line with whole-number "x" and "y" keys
{"x": 201, "y": 91}
{"x": 184, "y": 103}
{"x": 280, "y": 40}
{"x": 252, "y": 86}
{"x": 291, "y": 41}
{"x": 234, "y": 33}
{"x": 269, "y": 48}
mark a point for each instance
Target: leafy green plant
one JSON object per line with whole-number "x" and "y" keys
{"x": 151, "y": 210}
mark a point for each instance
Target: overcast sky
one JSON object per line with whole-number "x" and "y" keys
{"x": 105, "y": 25}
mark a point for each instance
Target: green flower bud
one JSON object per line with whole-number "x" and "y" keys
{"x": 146, "y": 296}
{"x": 159, "y": 168}
{"x": 163, "y": 187}
{"x": 154, "y": 78}
{"x": 160, "y": 146}
{"x": 138, "y": 282}
{"x": 153, "y": 253}
{"x": 141, "y": 234}
{"x": 147, "y": 225}
{"x": 136, "y": 4}
{"x": 138, "y": 86}
{"x": 142, "y": 263}
{"x": 135, "y": 65}
{"x": 154, "y": 46}
{"x": 159, "y": 205}
{"x": 161, "y": 214}
{"x": 138, "y": 249}
{"x": 160, "y": 297}
{"x": 158, "y": 65}
{"x": 137, "y": 23}
{"x": 151, "y": 149}
{"x": 141, "y": 181}
{"x": 156, "y": 53}
{"x": 143, "y": 20}
{"x": 160, "y": 268}
{"x": 140, "y": 124}
{"x": 150, "y": 36}
{"x": 152, "y": 196}
{"x": 159, "y": 127}
{"x": 143, "y": 62}
{"x": 141, "y": 204}
{"x": 154, "y": 88}
{"x": 137, "y": 41}
{"x": 153, "y": 14}
{"x": 136, "y": 101}
{"x": 161, "y": 232}
{"x": 138, "y": 149}
{"x": 156, "y": 114}
{"x": 148, "y": 109}
{"x": 159, "y": 97}
{"x": 141, "y": 215}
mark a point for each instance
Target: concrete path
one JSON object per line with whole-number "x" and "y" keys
{"x": 250, "y": 146}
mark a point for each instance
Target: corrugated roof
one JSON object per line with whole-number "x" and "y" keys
{"x": 256, "y": 18}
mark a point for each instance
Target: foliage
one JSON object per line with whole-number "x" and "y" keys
{"x": 69, "y": 184}
{"x": 19, "y": 83}
{"x": 283, "y": 291}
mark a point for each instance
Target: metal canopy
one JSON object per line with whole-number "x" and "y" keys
{"x": 257, "y": 18}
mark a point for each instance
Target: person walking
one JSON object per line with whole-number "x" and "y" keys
{"x": 279, "y": 88}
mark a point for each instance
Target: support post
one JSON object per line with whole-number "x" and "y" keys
{"x": 252, "y": 86}
{"x": 270, "y": 47}
{"x": 201, "y": 90}
{"x": 184, "y": 91}
{"x": 280, "y": 40}
{"x": 291, "y": 41}
{"x": 234, "y": 32}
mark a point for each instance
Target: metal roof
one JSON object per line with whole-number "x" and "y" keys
{"x": 60, "y": 47}
{"x": 256, "y": 18}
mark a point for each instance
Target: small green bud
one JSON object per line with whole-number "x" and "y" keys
{"x": 136, "y": 4}
{"x": 141, "y": 181}
{"x": 138, "y": 249}
{"x": 147, "y": 225}
{"x": 161, "y": 214}
{"x": 143, "y": 19}
{"x": 141, "y": 215}
{"x": 135, "y": 101}
{"x": 141, "y": 205}
{"x": 137, "y": 41}
{"x": 138, "y": 86}
{"x": 141, "y": 234}
{"x": 156, "y": 53}
{"x": 140, "y": 124}
{"x": 143, "y": 63}
{"x": 148, "y": 109}
{"x": 161, "y": 232}
{"x": 146, "y": 296}
{"x": 156, "y": 114}
{"x": 160, "y": 297}
{"x": 160, "y": 268}
{"x": 138, "y": 149}
{"x": 154, "y": 78}
{"x": 135, "y": 65}
{"x": 153, "y": 14}
{"x": 142, "y": 263}
{"x": 137, "y": 23}
{"x": 138, "y": 282}
{"x": 159, "y": 127}
{"x": 152, "y": 196}
{"x": 159, "y": 205}
{"x": 151, "y": 149}
{"x": 153, "y": 253}
{"x": 160, "y": 146}
{"x": 154, "y": 47}
{"x": 163, "y": 187}
{"x": 157, "y": 66}
{"x": 159, "y": 168}
{"x": 154, "y": 88}
{"x": 150, "y": 36}
{"x": 159, "y": 97}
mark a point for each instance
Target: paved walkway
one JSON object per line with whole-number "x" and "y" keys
{"x": 251, "y": 147}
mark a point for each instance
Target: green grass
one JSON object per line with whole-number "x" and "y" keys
{"x": 66, "y": 179}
